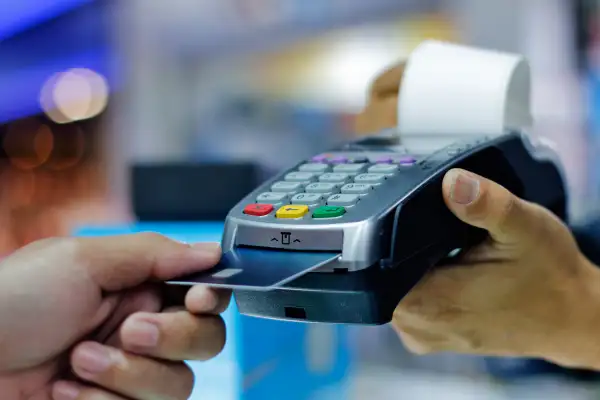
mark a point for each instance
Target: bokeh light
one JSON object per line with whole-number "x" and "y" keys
{"x": 28, "y": 144}
{"x": 69, "y": 149}
{"x": 74, "y": 95}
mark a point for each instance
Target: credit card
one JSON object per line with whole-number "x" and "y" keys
{"x": 258, "y": 269}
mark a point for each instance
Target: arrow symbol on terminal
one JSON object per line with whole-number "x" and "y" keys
{"x": 274, "y": 239}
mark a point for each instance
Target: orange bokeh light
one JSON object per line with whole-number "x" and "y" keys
{"x": 69, "y": 150}
{"x": 28, "y": 144}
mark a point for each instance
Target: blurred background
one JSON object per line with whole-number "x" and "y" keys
{"x": 103, "y": 101}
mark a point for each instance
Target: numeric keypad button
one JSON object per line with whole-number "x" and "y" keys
{"x": 272, "y": 198}
{"x": 334, "y": 177}
{"x": 373, "y": 179}
{"x": 357, "y": 188}
{"x": 322, "y": 187}
{"x": 309, "y": 199}
{"x": 287, "y": 187}
{"x": 345, "y": 200}
{"x": 305, "y": 177}
{"x": 314, "y": 167}
{"x": 386, "y": 169}
{"x": 350, "y": 168}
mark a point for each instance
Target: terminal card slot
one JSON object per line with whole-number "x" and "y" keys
{"x": 258, "y": 269}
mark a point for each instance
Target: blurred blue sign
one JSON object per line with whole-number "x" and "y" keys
{"x": 19, "y": 15}
{"x": 39, "y": 38}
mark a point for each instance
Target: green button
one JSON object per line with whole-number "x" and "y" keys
{"x": 329, "y": 212}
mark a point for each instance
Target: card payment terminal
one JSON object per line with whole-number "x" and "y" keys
{"x": 343, "y": 236}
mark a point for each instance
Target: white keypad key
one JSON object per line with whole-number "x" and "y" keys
{"x": 370, "y": 178}
{"x": 321, "y": 187}
{"x": 314, "y": 167}
{"x": 387, "y": 169}
{"x": 334, "y": 177}
{"x": 346, "y": 200}
{"x": 350, "y": 168}
{"x": 307, "y": 198}
{"x": 357, "y": 188}
{"x": 272, "y": 198}
{"x": 300, "y": 177}
{"x": 287, "y": 187}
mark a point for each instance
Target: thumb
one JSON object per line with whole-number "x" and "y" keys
{"x": 123, "y": 261}
{"x": 485, "y": 204}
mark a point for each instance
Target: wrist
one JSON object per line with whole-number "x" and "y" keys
{"x": 577, "y": 326}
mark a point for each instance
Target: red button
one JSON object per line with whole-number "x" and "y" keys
{"x": 258, "y": 210}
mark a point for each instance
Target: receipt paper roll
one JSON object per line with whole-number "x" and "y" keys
{"x": 455, "y": 90}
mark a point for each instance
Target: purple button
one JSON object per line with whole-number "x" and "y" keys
{"x": 385, "y": 160}
{"x": 407, "y": 161}
{"x": 338, "y": 160}
{"x": 359, "y": 160}
{"x": 320, "y": 158}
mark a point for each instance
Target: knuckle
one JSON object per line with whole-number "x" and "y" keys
{"x": 472, "y": 340}
{"x": 507, "y": 209}
{"x": 413, "y": 305}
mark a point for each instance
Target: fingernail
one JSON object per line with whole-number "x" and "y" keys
{"x": 92, "y": 358}
{"x": 143, "y": 334}
{"x": 465, "y": 188}
{"x": 65, "y": 391}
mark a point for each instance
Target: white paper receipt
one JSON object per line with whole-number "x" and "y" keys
{"x": 450, "y": 89}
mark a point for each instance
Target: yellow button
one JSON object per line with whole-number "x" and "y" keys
{"x": 292, "y": 211}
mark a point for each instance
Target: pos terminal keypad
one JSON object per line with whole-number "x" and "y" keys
{"x": 327, "y": 186}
